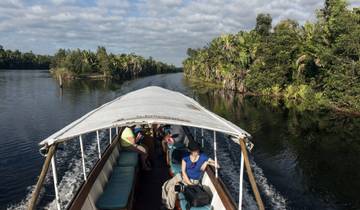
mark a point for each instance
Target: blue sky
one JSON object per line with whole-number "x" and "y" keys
{"x": 163, "y": 29}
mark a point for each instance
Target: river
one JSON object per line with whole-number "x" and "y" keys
{"x": 302, "y": 159}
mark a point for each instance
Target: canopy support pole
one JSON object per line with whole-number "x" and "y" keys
{"x": 195, "y": 134}
{"x": 40, "y": 182}
{"x": 98, "y": 143}
{"x": 110, "y": 135}
{"x": 215, "y": 156}
{"x": 82, "y": 156}
{"x": 53, "y": 168}
{"x": 251, "y": 175}
{"x": 241, "y": 180}
{"x": 117, "y": 130}
{"x": 202, "y": 137}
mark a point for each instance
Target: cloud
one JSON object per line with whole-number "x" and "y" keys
{"x": 163, "y": 29}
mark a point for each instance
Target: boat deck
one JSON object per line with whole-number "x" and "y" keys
{"x": 148, "y": 188}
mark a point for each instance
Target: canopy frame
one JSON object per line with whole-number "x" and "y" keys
{"x": 188, "y": 107}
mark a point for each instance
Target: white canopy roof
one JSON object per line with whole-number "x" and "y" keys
{"x": 146, "y": 106}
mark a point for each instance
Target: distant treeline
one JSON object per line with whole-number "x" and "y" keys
{"x": 18, "y": 60}
{"x": 78, "y": 63}
{"x": 314, "y": 64}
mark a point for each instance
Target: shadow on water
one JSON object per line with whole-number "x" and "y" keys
{"x": 311, "y": 158}
{"x": 302, "y": 159}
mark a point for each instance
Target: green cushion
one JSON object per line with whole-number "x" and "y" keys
{"x": 183, "y": 204}
{"x": 118, "y": 189}
{"x": 127, "y": 158}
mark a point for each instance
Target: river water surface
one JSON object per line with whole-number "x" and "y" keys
{"x": 302, "y": 159}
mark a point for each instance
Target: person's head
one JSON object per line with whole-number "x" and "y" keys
{"x": 194, "y": 147}
{"x": 138, "y": 133}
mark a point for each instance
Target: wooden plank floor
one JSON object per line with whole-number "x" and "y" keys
{"x": 148, "y": 188}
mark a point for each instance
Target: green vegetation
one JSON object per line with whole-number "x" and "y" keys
{"x": 84, "y": 63}
{"x": 317, "y": 64}
{"x": 17, "y": 60}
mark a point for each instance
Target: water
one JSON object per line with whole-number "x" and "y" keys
{"x": 301, "y": 160}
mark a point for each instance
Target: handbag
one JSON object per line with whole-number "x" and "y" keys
{"x": 196, "y": 196}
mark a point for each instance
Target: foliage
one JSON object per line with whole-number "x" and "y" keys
{"x": 76, "y": 63}
{"x": 319, "y": 59}
{"x": 18, "y": 60}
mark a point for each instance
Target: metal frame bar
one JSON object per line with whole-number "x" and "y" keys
{"x": 215, "y": 156}
{"x": 202, "y": 137}
{"x": 241, "y": 180}
{"x": 82, "y": 156}
{"x": 195, "y": 134}
{"x": 53, "y": 168}
{"x": 98, "y": 143}
{"x": 110, "y": 135}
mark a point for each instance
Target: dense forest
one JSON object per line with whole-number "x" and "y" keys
{"x": 18, "y": 60}
{"x": 85, "y": 63}
{"x": 315, "y": 64}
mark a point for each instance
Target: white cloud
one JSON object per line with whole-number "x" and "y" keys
{"x": 163, "y": 29}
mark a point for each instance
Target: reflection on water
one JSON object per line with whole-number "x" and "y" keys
{"x": 311, "y": 157}
{"x": 302, "y": 160}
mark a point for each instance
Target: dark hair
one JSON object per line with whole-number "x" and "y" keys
{"x": 193, "y": 146}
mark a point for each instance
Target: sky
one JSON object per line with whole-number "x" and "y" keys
{"x": 163, "y": 29}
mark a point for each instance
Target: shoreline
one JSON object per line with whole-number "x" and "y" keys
{"x": 281, "y": 95}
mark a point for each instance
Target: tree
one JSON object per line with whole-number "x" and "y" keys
{"x": 103, "y": 61}
{"x": 263, "y": 24}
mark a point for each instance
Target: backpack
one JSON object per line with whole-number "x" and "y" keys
{"x": 196, "y": 196}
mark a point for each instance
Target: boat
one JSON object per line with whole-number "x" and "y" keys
{"x": 113, "y": 182}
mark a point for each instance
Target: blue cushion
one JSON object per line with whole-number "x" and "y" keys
{"x": 118, "y": 189}
{"x": 183, "y": 204}
{"x": 175, "y": 168}
{"x": 127, "y": 158}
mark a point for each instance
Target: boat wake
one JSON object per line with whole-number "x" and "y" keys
{"x": 228, "y": 154}
{"x": 70, "y": 174}
{"x": 273, "y": 197}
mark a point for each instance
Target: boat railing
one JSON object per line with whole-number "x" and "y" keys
{"x": 86, "y": 185}
{"x": 50, "y": 159}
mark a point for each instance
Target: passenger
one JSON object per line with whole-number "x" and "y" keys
{"x": 131, "y": 141}
{"x": 174, "y": 136}
{"x": 192, "y": 167}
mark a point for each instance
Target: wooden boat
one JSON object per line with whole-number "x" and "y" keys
{"x": 115, "y": 182}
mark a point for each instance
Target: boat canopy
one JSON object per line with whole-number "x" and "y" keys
{"x": 146, "y": 106}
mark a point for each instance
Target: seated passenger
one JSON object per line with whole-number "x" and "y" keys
{"x": 192, "y": 167}
{"x": 174, "y": 136}
{"x": 131, "y": 141}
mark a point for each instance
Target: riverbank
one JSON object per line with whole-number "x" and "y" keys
{"x": 315, "y": 65}
{"x": 73, "y": 64}
{"x": 301, "y": 97}
{"x": 66, "y": 74}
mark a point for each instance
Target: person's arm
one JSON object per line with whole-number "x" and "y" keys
{"x": 131, "y": 139}
{"x": 184, "y": 175}
{"x": 209, "y": 162}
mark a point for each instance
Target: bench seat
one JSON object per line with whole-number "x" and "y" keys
{"x": 118, "y": 189}
{"x": 127, "y": 158}
{"x": 183, "y": 204}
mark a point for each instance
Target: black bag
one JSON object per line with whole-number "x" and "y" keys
{"x": 196, "y": 196}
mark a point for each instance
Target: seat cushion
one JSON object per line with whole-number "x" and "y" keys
{"x": 118, "y": 189}
{"x": 127, "y": 158}
{"x": 175, "y": 168}
{"x": 183, "y": 204}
